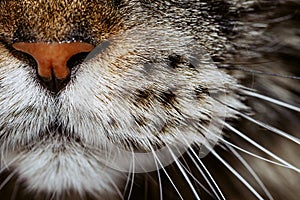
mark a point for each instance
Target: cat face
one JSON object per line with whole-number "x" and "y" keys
{"x": 145, "y": 86}
{"x": 87, "y": 88}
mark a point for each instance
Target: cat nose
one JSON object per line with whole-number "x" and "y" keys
{"x": 52, "y": 59}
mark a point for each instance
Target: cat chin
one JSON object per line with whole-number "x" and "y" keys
{"x": 51, "y": 172}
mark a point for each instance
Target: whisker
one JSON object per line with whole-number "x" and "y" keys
{"x": 236, "y": 174}
{"x": 53, "y": 196}
{"x": 159, "y": 178}
{"x": 7, "y": 165}
{"x": 251, "y": 154}
{"x": 146, "y": 188}
{"x": 184, "y": 173}
{"x": 196, "y": 180}
{"x": 263, "y": 125}
{"x": 116, "y": 187}
{"x": 206, "y": 179}
{"x": 8, "y": 178}
{"x": 201, "y": 171}
{"x": 270, "y": 128}
{"x": 252, "y": 172}
{"x": 243, "y": 150}
{"x": 261, "y": 147}
{"x": 204, "y": 175}
{"x": 128, "y": 179}
{"x": 272, "y": 100}
{"x": 258, "y": 72}
{"x": 166, "y": 173}
{"x": 132, "y": 167}
{"x": 15, "y": 191}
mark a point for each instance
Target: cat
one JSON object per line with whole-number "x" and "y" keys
{"x": 149, "y": 99}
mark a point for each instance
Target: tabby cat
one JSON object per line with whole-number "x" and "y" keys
{"x": 149, "y": 99}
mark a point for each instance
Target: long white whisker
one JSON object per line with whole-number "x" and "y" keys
{"x": 14, "y": 192}
{"x": 195, "y": 179}
{"x": 272, "y": 100}
{"x": 252, "y": 154}
{"x": 169, "y": 178}
{"x": 236, "y": 174}
{"x": 7, "y": 165}
{"x": 159, "y": 179}
{"x": 262, "y": 148}
{"x": 270, "y": 128}
{"x": 204, "y": 176}
{"x": 258, "y": 72}
{"x": 127, "y": 180}
{"x": 243, "y": 150}
{"x": 252, "y": 172}
{"x": 264, "y": 125}
{"x": 53, "y": 196}
{"x": 132, "y": 167}
{"x": 184, "y": 173}
{"x": 146, "y": 187}
{"x": 116, "y": 187}
{"x": 7, "y": 179}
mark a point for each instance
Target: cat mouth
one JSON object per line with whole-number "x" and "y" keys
{"x": 59, "y": 142}
{"x": 62, "y": 134}
{"x": 55, "y": 137}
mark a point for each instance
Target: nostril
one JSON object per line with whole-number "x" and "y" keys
{"x": 55, "y": 60}
{"x": 25, "y": 58}
{"x": 76, "y": 60}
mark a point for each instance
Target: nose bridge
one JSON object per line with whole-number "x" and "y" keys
{"x": 52, "y": 58}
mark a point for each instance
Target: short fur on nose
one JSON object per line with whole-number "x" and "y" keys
{"x": 52, "y": 58}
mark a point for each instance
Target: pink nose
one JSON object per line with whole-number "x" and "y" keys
{"x": 52, "y": 58}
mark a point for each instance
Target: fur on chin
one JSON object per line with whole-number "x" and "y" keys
{"x": 55, "y": 171}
